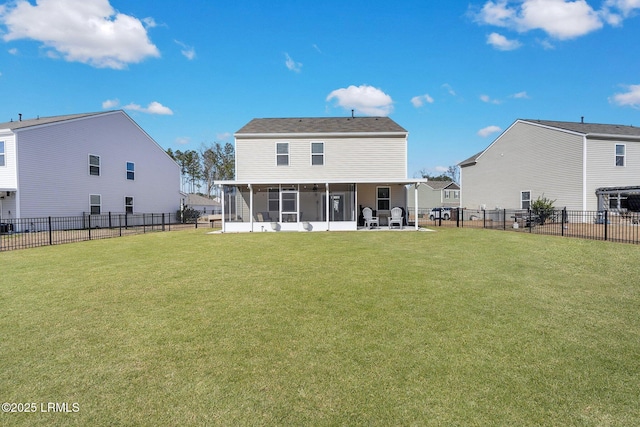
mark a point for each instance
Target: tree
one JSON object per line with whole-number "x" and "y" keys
{"x": 543, "y": 208}
{"x": 218, "y": 163}
{"x": 190, "y": 168}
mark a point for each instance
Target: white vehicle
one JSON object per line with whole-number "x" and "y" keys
{"x": 436, "y": 213}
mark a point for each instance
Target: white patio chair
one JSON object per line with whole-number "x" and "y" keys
{"x": 369, "y": 219}
{"x": 396, "y": 217}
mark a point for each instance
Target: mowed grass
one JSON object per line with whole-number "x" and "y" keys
{"x": 455, "y": 327}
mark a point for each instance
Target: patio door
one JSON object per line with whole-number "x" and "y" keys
{"x": 289, "y": 205}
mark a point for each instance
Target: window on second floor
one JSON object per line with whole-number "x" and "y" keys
{"x": 131, "y": 170}
{"x": 620, "y": 154}
{"x": 525, "y": 199}
{"x": 282, "y": 153}
{"x": 2, "y": 154}
{"x": 451, "y": 194}
{"x": 317, "y": 153}
{"x": 95, "y": 204}
{"x": 128, "y": 205}
{"x": 94, "y": 165}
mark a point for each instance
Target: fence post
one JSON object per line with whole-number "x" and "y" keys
{"x": 120, "y": 224}
{"x": 484, "y": 218}
{"x": 50, "y": 233}
{"x": 504, "y": 219}
{"x": 163, "y": 222}
{"x": 606, "y": 221}
{"x": 530, "y": 220}
{"x": 89, "y": 218}
{"x": 563, "y": 220}
{"x": 458, "y": 217}
{"x": 110, "y": 220}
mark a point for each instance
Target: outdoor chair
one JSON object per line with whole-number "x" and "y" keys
{"x": 369, "y": 219}
{"x": 396, "y": 217}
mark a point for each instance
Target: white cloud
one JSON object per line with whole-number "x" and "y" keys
{"x": 630, "y": 98}
{"x": 520, "y": 95}
{"x": 560, "y": 19}
{"x": 153, "y": 108}
{"x": 489, "y": 130}
{"x": 223, "y": 136}
{"x": 363, "y": 99}
{"x": 488, "y": 100}
{"x": 500, "y": 42}
{"x": 183, "y": 140}
{"x": 418, "y": 101}
{"x": 189, "y": 52}
{"x": 110, "y": 103}
{"x": 88, "y": 31}
{"x": 13, "y": 51}
{"x": 449, "y": 89}
{"x": 291, "y": 64}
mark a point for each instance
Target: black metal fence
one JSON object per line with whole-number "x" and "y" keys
{"x": 24, "y": 233}
{"x": 597, "y": 225}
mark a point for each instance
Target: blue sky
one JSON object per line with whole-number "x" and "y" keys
{"x": 454, "y": 74}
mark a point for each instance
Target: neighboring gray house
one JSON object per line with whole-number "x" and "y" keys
{"x": 204, "y": 205}
{"x": 84, "y": 163}
{"x": 315, "y": 173}
{"x": 582, "y": 166}
{"x": 434, "y": 194}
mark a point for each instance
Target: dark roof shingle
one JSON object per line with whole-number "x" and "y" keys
{"x": 321, "y": 125}
{"x": 590, "y": 128}
{"x": 19, "y": 124}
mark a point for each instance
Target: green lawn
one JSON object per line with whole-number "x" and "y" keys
{"x": 455, "y": 327}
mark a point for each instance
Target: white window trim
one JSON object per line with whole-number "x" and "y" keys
{"x": 132, "y": 171}
{"x": 316, "y": 154}
{"x": 3, "y": 153}
{"x": 99, "y": 205}
{"x": 382, "y": 198}
{"x": 132, "y": 204}
{"x": 624, "y": 156}
{"x": 288, "y": 154}
{"x": 99, "y": 165}
{"x": 523, "y": 200}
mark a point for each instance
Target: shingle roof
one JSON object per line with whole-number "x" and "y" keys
{"x": 19, "y": 124}
{"x": 439, "y": 185}
{"x": 590, "y": 128}
{"x": 321, "y": 125}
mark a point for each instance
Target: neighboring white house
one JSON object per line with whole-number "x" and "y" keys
{"x": 582, "y": 166}
{"x": 434, "y": 194}
{"x": 84, "y": 163}
{"x": 315, "y": 173}
{"x": 202, "y": 204}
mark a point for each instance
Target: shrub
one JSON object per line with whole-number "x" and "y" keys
{"x": 543, "y": 208}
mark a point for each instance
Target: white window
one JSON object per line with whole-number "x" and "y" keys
{"x": 94, "y": 165}
{"x": 383, "y": 199}
{"x": 317, "y": 153}
{"x": 2, "y": 154}
{"x": 95, "y": 204}
{"x": 128, "y": 205}
{"x": 131, "y": 170}
{"x": 525, "y": 199}
{"x": 620, "y": 154}
{"x": 282, "y": 153}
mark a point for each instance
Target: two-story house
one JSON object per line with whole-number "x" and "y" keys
{"x": 315, "y": 173}
{"x": 582, "y": 166}
{"x": 84, "y": 163}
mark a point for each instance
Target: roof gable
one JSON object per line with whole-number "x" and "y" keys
{"x": 325, "y": 125}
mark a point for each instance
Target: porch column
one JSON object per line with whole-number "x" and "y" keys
{"x": 326, "y": 208}
{"x": 222, "y": 204}
{"x": 415, "y": 209}
{"x": 250, "y": 207}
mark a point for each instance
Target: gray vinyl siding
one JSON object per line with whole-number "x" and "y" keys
{"x": 602, "y": 171}
{"x": 526, "y": 157}
{"x": 53, "y": 175}
{"x": 349, "y": 159}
